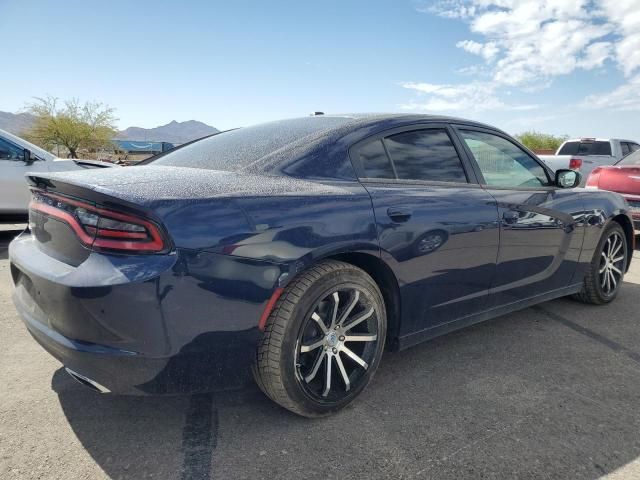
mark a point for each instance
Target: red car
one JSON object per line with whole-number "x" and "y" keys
{"x": 623, "y": 178}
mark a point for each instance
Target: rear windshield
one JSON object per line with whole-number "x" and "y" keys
{"x": 586, "y": 148}
{"x": 631, "y": 159}
{"x": 236, "y": 149}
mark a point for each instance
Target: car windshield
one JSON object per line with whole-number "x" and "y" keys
{"x": 236, "y": 149}
{"x": 586, "y": 148}
{"x": 631, "y": 159}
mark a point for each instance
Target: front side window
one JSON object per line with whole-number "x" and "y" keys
{"x": 626, "y": 149}
{"x": 9, "y": 151}
{"x": 502, "y": 163}
{"x": 634, "y": 147}
{"x": 425, "y": 155}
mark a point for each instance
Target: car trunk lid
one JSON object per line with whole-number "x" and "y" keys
{"x": 191, "y": 208}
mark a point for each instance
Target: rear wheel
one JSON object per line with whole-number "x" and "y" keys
{"x": 606, "y": 271}
{"x": 323, "y": 341}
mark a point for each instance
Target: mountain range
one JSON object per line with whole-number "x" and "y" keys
{"x": 173, "y": 132}
{"x": 16, "y": 123}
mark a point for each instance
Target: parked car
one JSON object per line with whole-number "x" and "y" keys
{"x": 624, "y": 178}
{"x": 585, "y": 154}
{"x": 300, "y": 249}
{"x": 17, "y": 157}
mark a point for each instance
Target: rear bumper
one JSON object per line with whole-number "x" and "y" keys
{"x": 221, "y": 364}
{"x": 181, "y": 326}
{"x": 116, "y": 370}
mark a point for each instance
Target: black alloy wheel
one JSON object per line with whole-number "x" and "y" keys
{"x": 323, "y": 340}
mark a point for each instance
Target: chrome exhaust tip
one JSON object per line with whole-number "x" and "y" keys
{"x": 87, "y": 382}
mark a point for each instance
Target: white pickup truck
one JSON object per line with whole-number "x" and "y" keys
{"x": 585, "y": 154}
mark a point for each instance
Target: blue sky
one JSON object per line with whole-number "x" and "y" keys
{"x": 558, "y": 66}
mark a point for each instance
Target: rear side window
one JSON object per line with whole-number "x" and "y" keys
{"x": 586, "y": 148}
{"x": 374, "y": 160}
{"x": 632, "y": 159}
{"x": 629, "y": 147}
{"x": 425, "y": 155}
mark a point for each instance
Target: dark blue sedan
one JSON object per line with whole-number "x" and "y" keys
{"x": 299, "y": 249}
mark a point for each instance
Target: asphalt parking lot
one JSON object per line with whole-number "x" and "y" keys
{"x": 549, "y": 392}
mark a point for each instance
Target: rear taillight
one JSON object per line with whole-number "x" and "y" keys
{"x": 101, "y": 228}
{"x": 594, "y": 178}
{"x": 575, "y": 163}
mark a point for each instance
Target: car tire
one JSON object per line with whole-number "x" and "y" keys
{"x": 609, "y": 259}
{"x": 329, "y": 322}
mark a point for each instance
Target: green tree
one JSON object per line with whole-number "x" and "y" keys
{"x": 72, "y": 124}
{"x": 539, "y": 141}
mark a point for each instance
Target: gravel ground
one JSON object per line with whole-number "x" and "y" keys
{"x": 549, "y": 392}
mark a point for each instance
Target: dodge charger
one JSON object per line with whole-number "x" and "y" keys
{"x": 299, "y": 250}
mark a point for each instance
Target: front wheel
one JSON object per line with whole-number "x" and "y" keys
{"x": 606, "y": 271}
{"x": 323, "y": 341}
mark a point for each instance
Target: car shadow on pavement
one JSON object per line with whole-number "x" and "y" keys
{"x": 128, "y": 437}
{"x": 151, "y": 436}
{"x": 551, "y": 391}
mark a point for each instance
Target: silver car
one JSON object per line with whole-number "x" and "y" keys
{"x": 17, "y": 157}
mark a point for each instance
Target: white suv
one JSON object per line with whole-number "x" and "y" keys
{"x": 17, "y": 157}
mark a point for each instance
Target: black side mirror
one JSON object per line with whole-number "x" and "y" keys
{"x": 568, "y": 178}
{"x": 28, "y": 159}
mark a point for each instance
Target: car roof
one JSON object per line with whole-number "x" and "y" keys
{"x": 372, "y": 121}
{"x": 315, "y": 147}
{"x": 598, "y": 139}
{"x": 293, "y": 144}
{"x": 364, "y": 118}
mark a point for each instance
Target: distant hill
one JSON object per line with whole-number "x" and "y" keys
{"x": 16, "y": 123}
{"x": 174, "y": 132}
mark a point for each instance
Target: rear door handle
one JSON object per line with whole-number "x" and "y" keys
{"x": 399, "y": 214}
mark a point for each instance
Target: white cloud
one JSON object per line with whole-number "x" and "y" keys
{"x": 539, "y": 40}
{"x": 595, "y": 54}
{"x": 625, "y": 14}
{"x": 625, "y": 97}
{"x": 486, "y": 50}
{"x": 530, "y": 120}
{"x": 525, "y": 44}
{"x": 450, "y": 9}
{"x": 475, "y": 96}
